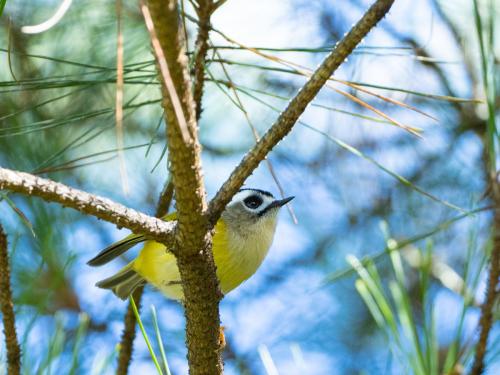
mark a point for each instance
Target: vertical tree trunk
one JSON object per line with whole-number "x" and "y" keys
{"x": 486, "y": 320}
{"x": 9, "y": 321}
{"x": 193, "y": 247}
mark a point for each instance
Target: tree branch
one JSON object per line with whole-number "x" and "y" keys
{"x": 193, "y": 246}
{"x": 492, "y": 292}
{"x": 102, "y": 208}
{"x": 296, "y": 107}
{"x": 165, "y": 200}
{"x": 204, "y": 11}
{"x": 128, "y": 334}
{"x": 9, "y": 318}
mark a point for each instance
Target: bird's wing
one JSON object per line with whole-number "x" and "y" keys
{"x": 118, "y": 248}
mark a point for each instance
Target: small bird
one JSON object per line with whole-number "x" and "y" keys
{"x": 242, "y": 238}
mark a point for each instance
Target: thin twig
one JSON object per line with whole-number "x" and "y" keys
{"x": 119, "y": 97}
{"x": 184, "y": 26}
{"x": 296, "y": 107}
{"x": 128, "y": 334}
{"x": 204, "y": 12}
{"x": 9, "y": 318}
{"x": 410, "y": 129}
{"x": 165, "y": 200}
{"x": 385, "y": 98}
{"x": 256, "y": 135}
{"x": 303, "y": 71}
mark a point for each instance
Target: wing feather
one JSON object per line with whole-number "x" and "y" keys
{"x": 115, "y": 250}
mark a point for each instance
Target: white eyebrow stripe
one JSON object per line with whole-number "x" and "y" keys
{"x": 259, "y": 191}
{"x": 244, "y": 194}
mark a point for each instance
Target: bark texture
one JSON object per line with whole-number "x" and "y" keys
{"x": 492, "y": 289}
{"x": 193, "y": 236}
{"x": 9, "y": 319}
{"x": 102, "y": 208}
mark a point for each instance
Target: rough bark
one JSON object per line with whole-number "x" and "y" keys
{"x": 492, "y": 288}
{"x": 9, "y": 319}
{"x": 102, "y": 208}
{"x": 193, "y": 237}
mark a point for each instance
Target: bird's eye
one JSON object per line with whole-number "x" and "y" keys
{"x": 253, "y": 201}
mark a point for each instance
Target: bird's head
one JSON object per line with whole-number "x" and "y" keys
{"x": 252, "y": 211}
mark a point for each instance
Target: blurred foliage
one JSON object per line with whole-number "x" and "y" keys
{"x": 349, "y": 166}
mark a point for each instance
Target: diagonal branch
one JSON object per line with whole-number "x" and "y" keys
{"x": 296, "y": 107}
{"x": 9, "y": 318}
{"x": 102, "y": 208}
{"x": 192, "y": 244}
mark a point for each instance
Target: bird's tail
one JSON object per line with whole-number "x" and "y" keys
{"x": 123, "y": 283}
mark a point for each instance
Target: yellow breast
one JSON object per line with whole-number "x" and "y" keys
{"x": 236, "y": 257}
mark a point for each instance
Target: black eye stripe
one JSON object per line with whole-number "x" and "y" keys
{"x": 253, "y": 201}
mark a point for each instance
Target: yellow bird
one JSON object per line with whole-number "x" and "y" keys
{"x": 241, "y": 241}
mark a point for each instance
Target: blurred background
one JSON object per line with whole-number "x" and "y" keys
{"x": 363, "y": 184}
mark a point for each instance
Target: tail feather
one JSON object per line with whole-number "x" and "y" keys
{"x": 126, "y": 288}
{"x": 122, "y": 283}
{"x": 115, "y": 250}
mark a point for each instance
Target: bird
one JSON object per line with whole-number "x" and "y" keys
{"x": 241, "y": 241}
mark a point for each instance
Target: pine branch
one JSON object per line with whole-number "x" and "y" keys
{"x": 296, "y": 107}
{"x": 9, "y": 318}
{"x": 102, "y": 208}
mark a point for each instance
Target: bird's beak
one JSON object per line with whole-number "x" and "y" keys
{"x": 281, "y": 202}
{"x": 275, "y": 205}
